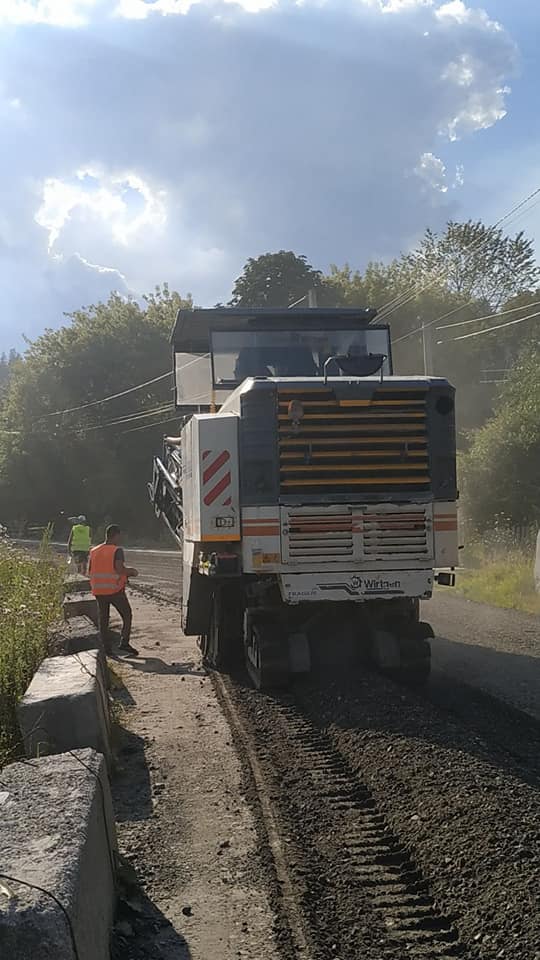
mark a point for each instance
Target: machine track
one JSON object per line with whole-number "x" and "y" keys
{"x": 399, "y": 825}
{"x": 374, "y": 858}
{"x": 363, "y": 889}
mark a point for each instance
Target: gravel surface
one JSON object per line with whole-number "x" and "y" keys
{"x": 457, "y": 791}
{"x": 184, "y": 823}
{"x": 487, "y": 647}
{"x": 449, "y": 782}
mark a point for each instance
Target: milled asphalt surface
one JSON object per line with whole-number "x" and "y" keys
{"x": 489, "y": 648}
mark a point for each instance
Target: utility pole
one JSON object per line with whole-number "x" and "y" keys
{"x": 312, "y": 298}
{"x": 427, "y": 345}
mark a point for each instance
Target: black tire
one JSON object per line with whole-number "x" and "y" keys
{"x": 266, "y": 655}
{"x": 416, "y": 665}
{"x": 221, "y": 646}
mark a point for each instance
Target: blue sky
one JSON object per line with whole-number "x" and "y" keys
{"x": 169, "y": 140}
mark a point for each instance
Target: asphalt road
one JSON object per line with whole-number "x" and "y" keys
{"x": 156, "y": 567}
{"x": 494, "y": 650}
{"x": 491, "y": 649}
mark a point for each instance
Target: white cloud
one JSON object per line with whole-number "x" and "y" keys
{"x": 103, "y": 198}
{"x": 141, "y": 9}
{"x": 461, "y": 14}
{"x": 432, "y": 171}
{"x": 174, "y": 146}
{"x": 459, "y": 178}
{"x": 57, "y": 13}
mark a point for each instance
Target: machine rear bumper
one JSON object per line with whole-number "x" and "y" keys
{"x": 356, "y": 586}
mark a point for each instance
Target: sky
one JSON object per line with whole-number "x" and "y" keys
{"x": 145, "y": 141}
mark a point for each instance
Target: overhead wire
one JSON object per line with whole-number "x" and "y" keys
{"x": 129, "y": 418}
{"x": 124, "y": 393}
{"x": 402, "y": 299}
{"x": 450, "y": 313}
{"x": 114, "y": 396}
{"x": 499, "y": 326}
{"x": 471, "y": 247}
{"x": 488, "y": 316}
{"x": 147, "y": 425}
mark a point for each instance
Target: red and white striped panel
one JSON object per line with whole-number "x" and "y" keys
{"x": 216, "y": 477}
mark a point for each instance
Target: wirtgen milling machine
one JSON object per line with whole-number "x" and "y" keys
{"x": 312, "y": 492}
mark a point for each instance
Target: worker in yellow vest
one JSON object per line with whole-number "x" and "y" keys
{"x": 79, "y": 543}
{"x": 108, "y": 578}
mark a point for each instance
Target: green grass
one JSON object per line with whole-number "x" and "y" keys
{"x": 30, "y": 600}
{"x": 502, "y": 578}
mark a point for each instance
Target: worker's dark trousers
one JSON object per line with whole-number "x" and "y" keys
{"x": 121, "y": 603}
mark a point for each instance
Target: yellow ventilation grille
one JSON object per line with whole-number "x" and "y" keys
{"x": 377, "y": 443}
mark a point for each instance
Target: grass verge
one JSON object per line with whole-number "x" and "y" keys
{"x": 503, "y": 579}
{"x": 30, "y": 600}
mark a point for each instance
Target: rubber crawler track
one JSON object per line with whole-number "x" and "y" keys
{"x": 372, "y": 860}
{"x": 290, "y": 905}
{"x": 372, "y": 854}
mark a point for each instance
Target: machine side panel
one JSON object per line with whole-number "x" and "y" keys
{"x": 196, "y": 590}
{"x": 261, "y": 543}
{"x": 356, "y": 587}
{"x": 445, "y": 529}
{"x": 216, "y": 478}
{"x": 189, "y": 500}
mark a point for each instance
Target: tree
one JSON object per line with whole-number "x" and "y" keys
{"x": 54, "y": 463}
{"x": 276, "y": 280}
{"x": 502, "y": 468}
{"x": 469, "y": 272}
{"x": 474, "y": 261}
{"x": 7, "y": 363}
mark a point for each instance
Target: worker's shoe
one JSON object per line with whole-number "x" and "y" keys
{"x": 128, "y": 650}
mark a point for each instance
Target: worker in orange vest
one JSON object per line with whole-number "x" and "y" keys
{"x": 108, "y": 578}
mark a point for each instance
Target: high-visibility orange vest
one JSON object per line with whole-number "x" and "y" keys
{"x": 104, "y": 580}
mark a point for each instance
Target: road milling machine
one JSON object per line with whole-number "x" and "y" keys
{"x": 312, "y": 492}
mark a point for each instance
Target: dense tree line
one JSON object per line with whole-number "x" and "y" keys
{"x": 62, "y": 453}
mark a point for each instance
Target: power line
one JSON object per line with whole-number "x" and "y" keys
{"x": 124, "y": 393}
{"x": 114, "y": 396}
{"x": 129, "y": 418}
{"x": 470, "y": 247}
{"x": 499, "y": 326}
{"x": 489, "y": 316}
{"x": 430, "y": 322}
{"x": 147, "y": 425}
{"x": 401, "y": 299}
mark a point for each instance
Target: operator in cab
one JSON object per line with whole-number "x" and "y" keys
{"x": 108, "y": 579}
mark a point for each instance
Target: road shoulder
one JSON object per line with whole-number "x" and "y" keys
{"x": 491, "y": 648}
{"x": 184, "y": 820}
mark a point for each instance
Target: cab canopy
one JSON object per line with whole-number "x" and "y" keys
{"x": 214, "y": 351}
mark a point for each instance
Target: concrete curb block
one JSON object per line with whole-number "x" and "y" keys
{"x": 76, "y": 636}
{"x": 66, "y": 706}
{"x": 80, "y": 605}
{"x": 76, "y": 584}
{"x": 57, "y": 832}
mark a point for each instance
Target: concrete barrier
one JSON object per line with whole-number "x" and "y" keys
{"x": 76, "y": 583}
{"x": 57, "y": 832}
{"x": 80, "y": 605}
{"x": 66, "y": 706}
{"x": 73, "y": 636}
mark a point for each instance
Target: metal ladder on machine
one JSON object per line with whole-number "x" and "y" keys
{"x": 165, "y": 490}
